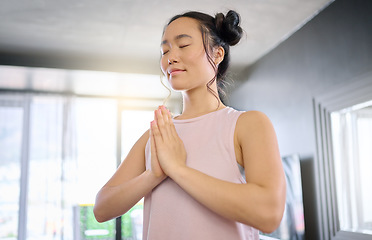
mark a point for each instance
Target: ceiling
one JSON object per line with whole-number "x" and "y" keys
{"x": 124, "y": 35}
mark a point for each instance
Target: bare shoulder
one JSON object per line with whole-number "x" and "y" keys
{"x": 137, "y": 153}
{"x": 260, "y": 150}
{"x": 253, "y": 115}
{"x": 256, "y": 135}
{"x": 142, "y": 141}
{"x": 139, "y": 146}
{"x": 253, "y": 122}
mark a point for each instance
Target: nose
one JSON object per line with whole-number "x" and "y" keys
{"x": 171, "y": 61}
{"x": 172, "y": 58}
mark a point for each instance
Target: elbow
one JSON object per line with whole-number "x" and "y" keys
{"x": 266, "y": 221}
{"x": 270, "y": 217}
{"x": 103, "y": 210}
{"x": 274, "y": 210}
{"x": 98, "y": 215}
{"x": 99, "y": 210}
{"x": 271, "y": 222}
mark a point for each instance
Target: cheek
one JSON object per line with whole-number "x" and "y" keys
{"x": 164, "y": 65}
{"x": 202, "y": 63}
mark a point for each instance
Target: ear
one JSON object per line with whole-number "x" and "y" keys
{"x": 219, "y": 54}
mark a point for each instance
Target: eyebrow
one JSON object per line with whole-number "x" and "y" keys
{"x": 176, "y": 38}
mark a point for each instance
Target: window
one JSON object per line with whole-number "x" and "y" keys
{"x": 52, "y": 168}
{"x": 343, "y": 119}
{"x": 71, "y": 152}
{"x": 36, "y": 145}
{"x": 134, "y": 123}
{"x": 59, "y": 148}
{"x": 11, "y": 122}
{"x": 96, "y": 127}
{"x": 352, "y": 154}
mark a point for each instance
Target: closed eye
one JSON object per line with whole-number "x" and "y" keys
{"x": 182, "y": 46}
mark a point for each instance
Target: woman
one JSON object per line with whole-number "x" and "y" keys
{"x": 187, "y": 168}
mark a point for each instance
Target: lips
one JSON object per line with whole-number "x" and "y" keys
{"x": 175, "y": 71}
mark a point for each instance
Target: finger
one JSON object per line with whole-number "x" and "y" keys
{"x": 168, "y": 115}
{"x": 163, "y": 123}
{"x": 159, "y": 121}
{"x": 167, "y": 118}
{"x": 173, "y": 132}
{"x": 165, "y": 113}
{"x": 155, "y": 132}
{"x": 159, "y": 118}
{"x": 152, "y": 142}
{"x": 152, "y": 152}
{"x": 155, "y": 166}
{"x": 171, "y": 127}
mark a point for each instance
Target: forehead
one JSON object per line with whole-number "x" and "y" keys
{"x": 183, "y": 25}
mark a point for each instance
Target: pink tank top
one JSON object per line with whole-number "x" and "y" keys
{"x": 171, "y": 213}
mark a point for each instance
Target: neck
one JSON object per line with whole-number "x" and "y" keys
{"x": 198, "y": 102}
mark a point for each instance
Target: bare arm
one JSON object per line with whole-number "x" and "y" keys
{"x": 259, "y": 202}
{"x": 128, "y": 185}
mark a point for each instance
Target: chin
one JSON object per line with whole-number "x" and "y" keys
{"x": 176, "y": 86}
{"x": 177, "y": 89}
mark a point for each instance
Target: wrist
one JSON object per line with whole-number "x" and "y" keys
{"x": 153, "y": 178}
{"x": 179, "y": 172}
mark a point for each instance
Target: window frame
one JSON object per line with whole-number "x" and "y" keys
{"x": 358, "y": 90}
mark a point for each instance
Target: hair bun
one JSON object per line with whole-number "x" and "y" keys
{"x": 228, "y": 27}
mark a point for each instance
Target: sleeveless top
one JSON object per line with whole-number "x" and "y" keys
{"x": 170, "y": 212}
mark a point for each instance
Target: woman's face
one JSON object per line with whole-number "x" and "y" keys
{"x": 184, "y": 61}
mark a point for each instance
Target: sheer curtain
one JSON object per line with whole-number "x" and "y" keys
{"x": 52, "y": 168}
{"x": 11, "y": 121}
{"x": 46, "y": 146}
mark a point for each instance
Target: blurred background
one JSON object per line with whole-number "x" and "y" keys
{"x": 79, "y": 81}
